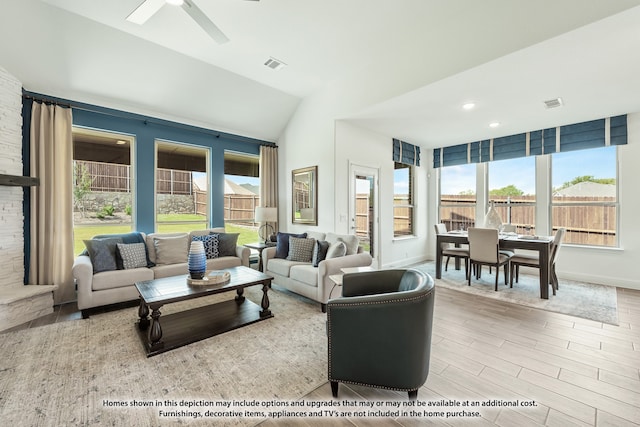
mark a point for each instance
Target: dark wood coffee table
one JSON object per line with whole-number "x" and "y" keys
{"x": 185, "y": 327}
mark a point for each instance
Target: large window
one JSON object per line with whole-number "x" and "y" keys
{"x": 458, "y": 196}
{"x": 241, "y": 195}
{"x": 403, "y": 203}
{"x": 182, "y": 187}
{"x": 102, "y": 184}
{"x": 585, "y": 200}
{"x": 512, "y": 189}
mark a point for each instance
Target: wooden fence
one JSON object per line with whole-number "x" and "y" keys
{"x": 586, "y": 224}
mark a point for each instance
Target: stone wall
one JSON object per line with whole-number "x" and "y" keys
{"x": 11, "y": 218}
{"x": 94, "y": 201}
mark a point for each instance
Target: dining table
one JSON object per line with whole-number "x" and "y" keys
{"x": 510, "y": 241}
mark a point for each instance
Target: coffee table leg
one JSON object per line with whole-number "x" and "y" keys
{"x": 240, "y": 295}
{"x": 156, "y": 330}
{"x": 265, "y": 301}
{"x": 143, "y": 312}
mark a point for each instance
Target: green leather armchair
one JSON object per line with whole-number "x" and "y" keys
{"x": 379, "y": 331}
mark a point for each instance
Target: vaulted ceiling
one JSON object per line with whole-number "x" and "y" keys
{"x": 430, "y": 57}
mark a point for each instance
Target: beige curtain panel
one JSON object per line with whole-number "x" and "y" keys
{"x": 51, "y": 255}
{"x": 269, "y": 178}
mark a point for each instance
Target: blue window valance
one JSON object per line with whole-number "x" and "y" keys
{"x": 406, "y": 153}
{"x": 579, "y": 136}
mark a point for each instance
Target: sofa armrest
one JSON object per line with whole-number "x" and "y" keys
{"x": 243, "y": 253}
{"x": 333, "y": 266}
{"x": 82, "y": 271}
{"x": 267, "y": 254}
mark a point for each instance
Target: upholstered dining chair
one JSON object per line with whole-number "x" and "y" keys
{"x": 450, "y": 251}
{"x": 379, "y": 331}
{"x": 527, "y": 260}
{"x": 484, "y": 249}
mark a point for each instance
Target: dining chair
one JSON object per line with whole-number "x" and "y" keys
{"x": 527, "y": 260}
{"x": 484, "y": 249}
{"x": 450, "y": 251}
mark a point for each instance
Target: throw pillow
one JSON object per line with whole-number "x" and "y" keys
{"x": 133, "y": 255}
{"x": 336, "y": 250}
{"x": 351, "y": 240}
{"x": 171, "y": 250}
{"x": 319, "y": 252}
{"x": 211, "y": 244}
{"x": 102, "y": 253}
{"x": 282, "y": 245}
{"x": 300, "y": 249}
{"x": 227, "y": 243}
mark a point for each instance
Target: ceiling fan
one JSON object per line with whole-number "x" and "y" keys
{"x": 149, "y": 7}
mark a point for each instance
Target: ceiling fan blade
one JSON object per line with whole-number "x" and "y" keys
{"x": 146, "y": 10}
{"x": 209, "y": 27}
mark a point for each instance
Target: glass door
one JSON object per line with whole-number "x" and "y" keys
{"x": 363, "y": 208}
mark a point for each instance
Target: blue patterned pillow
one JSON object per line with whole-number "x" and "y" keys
{"x": 211, "y": 244}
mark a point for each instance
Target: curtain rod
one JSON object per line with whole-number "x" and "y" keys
{"x": 135, "y": 116}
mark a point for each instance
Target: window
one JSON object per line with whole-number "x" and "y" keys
{"x": 585, "y": 196}
{"x": 241, "y": 195}
{"x": 182, "y": 187}
{"x": 458, "y": 196}
{"x": 102, "y": 184}
{"x": 512, "y": 189}
{"x": 403, "y": 208}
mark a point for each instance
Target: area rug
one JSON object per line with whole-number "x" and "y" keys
{"x": 95, "y": 372}
{"x": 586, "y": 300}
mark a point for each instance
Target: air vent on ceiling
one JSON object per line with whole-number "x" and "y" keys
{"x": 553, "y": 103}
{"x": 275, "y": 64}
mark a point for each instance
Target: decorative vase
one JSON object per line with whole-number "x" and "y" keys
{"x": 492, "y": 219}
{"x": 197, "y": 260}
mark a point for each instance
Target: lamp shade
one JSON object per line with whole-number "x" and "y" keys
{"x": 266, "y": 214}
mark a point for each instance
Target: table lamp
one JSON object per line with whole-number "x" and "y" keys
{"x": 266, "y": 215}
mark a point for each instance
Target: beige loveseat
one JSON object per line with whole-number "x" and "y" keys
{"x": 114, "y": 286}
{"x": 309, "y": 281}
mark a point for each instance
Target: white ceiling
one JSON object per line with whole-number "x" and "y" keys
{"x": 429, "y": 55}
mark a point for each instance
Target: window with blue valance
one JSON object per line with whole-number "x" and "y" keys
{"x": 406, "y": 153}
{"x": 579, "y": 136}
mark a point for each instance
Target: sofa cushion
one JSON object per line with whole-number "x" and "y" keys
{"x": 305, "y": 273}
{"x": 351, "y": 240}
{"x": 171, "y": 250}
{"x": 282, "y": 245}
{"x": 336, "y": 250}
{"x": 211, "y": 243}
{"x": 167, "y": 270}
{"x": 319, "y": 252}
{"x": 300, "y": 249}
{"x": 120, "y": 278}
{"x": 102, "y": 253}
{"x": 282, "y": 266}
{"x": 223, "y": 262}
{"x": 227, "y": 243}
{"x": 133, "y": 255}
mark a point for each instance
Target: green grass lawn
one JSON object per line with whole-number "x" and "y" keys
{"x": 86, "y": 232}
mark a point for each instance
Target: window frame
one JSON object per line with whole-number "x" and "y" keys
{"x": 473, "y": 205}
{"x": 411, "y": 205}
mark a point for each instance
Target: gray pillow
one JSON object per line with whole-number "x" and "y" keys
{"x": 282, "y": 245}
{"x": 102, "y": 253}
{"x": 134, "y": 255}
{"x": 171, "y": 250}
{"x": 227, "y": 243}
{"x": 300, "y": 249}
{"x": 319, "y": 252}
{"x": 336, "y": 250}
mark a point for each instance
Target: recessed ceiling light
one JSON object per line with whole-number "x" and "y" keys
{"x": 121, "y": 142}
{"x": 175, "y": 2}
{"x": 494, "y": 124}
{"x": 468, "y": 106}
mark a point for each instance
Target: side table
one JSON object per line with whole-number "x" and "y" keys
{"x": 260, "y": 246}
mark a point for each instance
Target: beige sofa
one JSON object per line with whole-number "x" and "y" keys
{"x": 309, "y": 281}
{"x": 109, "y": 287}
